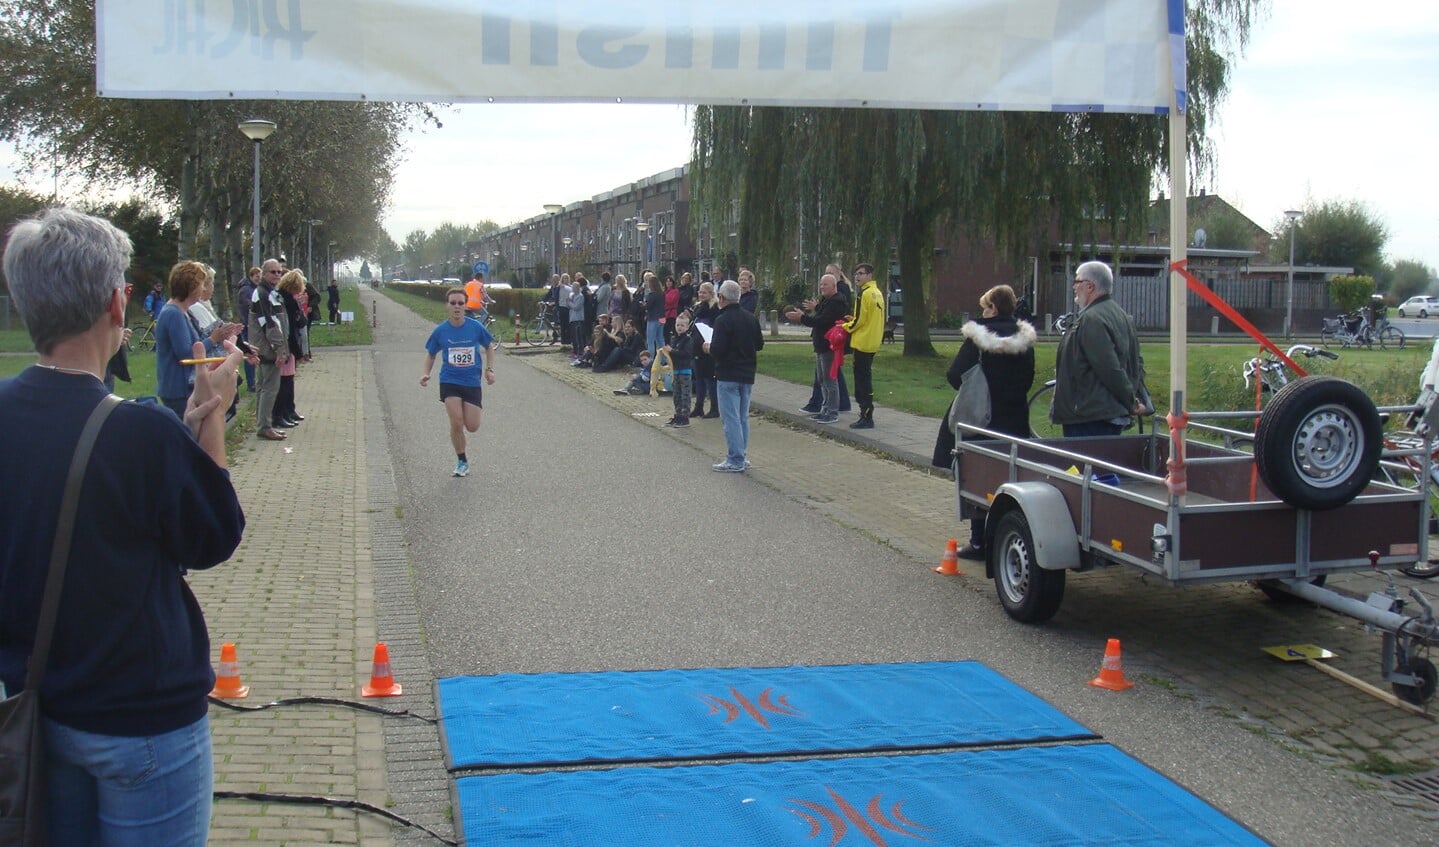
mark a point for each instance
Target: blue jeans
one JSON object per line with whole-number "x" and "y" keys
{"x": 654, "y": 340}
{"x": 116, "y": 791}
{"x": 829, "y": 387}
{"x": 1091, "y": 428}
{"x": 816, "y": 396}
{"x": 734, "y": 416}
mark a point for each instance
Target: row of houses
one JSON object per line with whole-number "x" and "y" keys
{"x": 650, "y": 223}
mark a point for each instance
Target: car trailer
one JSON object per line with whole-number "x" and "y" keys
{"x": 1075, "y": 504}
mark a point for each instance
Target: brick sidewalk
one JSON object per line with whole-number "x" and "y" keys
{"x": 297, "y": 599}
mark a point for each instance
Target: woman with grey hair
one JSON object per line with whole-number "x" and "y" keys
{"x": 124, "y": 691}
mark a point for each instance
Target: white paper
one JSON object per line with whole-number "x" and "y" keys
{"x": 706, "y": 331}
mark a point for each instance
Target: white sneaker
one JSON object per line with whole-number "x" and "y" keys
{"x": 462, "y": 468}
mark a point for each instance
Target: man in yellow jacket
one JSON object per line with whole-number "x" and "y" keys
{"x": 866, "y": 331}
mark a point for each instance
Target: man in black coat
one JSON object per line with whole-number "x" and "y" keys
{"x": 735, "y": 346}
{"x": 821, "y": 315}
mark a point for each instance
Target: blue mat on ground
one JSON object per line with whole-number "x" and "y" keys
{"x": 637, "y": 716}
{"x": 1069, "y": 795}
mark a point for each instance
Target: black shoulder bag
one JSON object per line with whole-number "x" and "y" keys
{"x": 22, "y": 747}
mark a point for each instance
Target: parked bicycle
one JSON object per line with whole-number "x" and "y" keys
{"x": 142, "y": 336}
{"x": 1271, "y": 370}
{"x": 542, "y": 328}
{"x": 1356, "y": 330}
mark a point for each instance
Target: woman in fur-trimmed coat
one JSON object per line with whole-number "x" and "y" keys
{"x": 1008, "y": 346}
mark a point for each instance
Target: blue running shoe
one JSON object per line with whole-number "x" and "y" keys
{"x": 462, "y": 468}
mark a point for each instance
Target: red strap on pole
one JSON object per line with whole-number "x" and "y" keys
{"x": 1227, "y": 311}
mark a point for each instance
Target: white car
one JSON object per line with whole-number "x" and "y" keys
{"x": 1422, "y": 305}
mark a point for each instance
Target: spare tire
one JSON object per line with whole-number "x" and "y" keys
{"x": 1318, "y": 443}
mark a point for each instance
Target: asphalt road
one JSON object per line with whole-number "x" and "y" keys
{"x": 585, "y": 539}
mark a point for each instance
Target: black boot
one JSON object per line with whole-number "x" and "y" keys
{"x": 866, "y": 419}
{"x": 699, "y": 409}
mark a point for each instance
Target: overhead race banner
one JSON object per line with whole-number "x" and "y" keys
{"x": 1028, "y": 55}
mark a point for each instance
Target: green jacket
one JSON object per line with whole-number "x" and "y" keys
{"x": 866, "y": 331}
{"x": 1099, "y": 368}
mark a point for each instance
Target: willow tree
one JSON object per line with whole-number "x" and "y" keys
{"x": 331, "y": 161}
{"x": 857, "y": 183}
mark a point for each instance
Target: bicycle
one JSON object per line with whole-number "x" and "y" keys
{"x": 1040, "y": 426}
{"x": 1389, "y": 335}
{"x": 1355, "y": 330}
{"x": 542, "y": 329}
{"x": 142, "y": 336}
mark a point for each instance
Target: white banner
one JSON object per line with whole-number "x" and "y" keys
{"x": 1069, "y": 55}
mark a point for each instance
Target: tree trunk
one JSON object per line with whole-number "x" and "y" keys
{"x": 189, "y": 194}
{"x": 914, "y": 243}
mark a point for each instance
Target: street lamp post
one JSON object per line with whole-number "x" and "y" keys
{"x": 256, "y": 130}
{"x": 1293, "y": 217}
{"x": 643, "y": 226}
{"x": 553, "y": 209}
{"x": 310, "y": 246}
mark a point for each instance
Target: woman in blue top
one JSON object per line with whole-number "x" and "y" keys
{"x": 176, "y": 333}
{"x": 457, "y": 343}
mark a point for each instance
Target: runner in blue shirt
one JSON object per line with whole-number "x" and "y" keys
{"x": 457, "y": 343}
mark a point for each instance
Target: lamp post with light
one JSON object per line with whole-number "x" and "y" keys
{"x": 1293, "y": 217}
{"x": 256, "y": 130}
{"x": 644, "y": 227}
{"x": 553, "y": 210}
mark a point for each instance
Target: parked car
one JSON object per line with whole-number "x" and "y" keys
{"x": 1422, "y": 305}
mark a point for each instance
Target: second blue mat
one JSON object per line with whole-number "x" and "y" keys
{"x": 635, "y": 716}
{"x": 1076, "y": 796}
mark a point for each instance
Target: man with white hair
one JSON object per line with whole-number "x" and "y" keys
{"x": 1098, "y": 370}
{"x": 735, "y": 346}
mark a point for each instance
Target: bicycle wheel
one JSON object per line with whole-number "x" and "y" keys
{"x": 537, "y": 331}
{"x": 1326, "y": 338}
{"x": 1391, "y": 337}
{"x": 1039, "y": 424}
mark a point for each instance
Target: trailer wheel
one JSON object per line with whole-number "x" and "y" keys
{"x": 1029, "y": 593}
{"x": 1318, "y": 443}
{"x": 1424, "y": 691}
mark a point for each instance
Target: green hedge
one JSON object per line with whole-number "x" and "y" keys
{"x": 509, "y": 302}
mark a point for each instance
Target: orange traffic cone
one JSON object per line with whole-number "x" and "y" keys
{"x": 1111, "y": 672}
{"x": 227, "y": 678}
{"x": 382, "y": 682}
{"x": 949, "y": 565}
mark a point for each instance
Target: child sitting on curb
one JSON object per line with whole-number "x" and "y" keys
{"x": 640, "y": 383}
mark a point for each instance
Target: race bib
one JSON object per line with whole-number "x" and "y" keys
{"x": 461, "y": 357}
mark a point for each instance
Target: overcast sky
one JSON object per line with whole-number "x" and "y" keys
{"x": 1333, "y": 100}
{"x": 1329, "y": 102}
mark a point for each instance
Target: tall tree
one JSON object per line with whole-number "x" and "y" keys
{"x": 857, "y": 183}
{"x": 1409, "y": 277}
{"x": 1334, "y": 233}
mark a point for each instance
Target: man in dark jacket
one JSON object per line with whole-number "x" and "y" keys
{"x": 735, "y": 347}
{"x": 821, "y": 315}
{"x": 1098, "y": 370}
{"x": 269, "y": 333}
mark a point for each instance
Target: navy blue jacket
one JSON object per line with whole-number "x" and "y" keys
{"x": 131, "y": 654}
